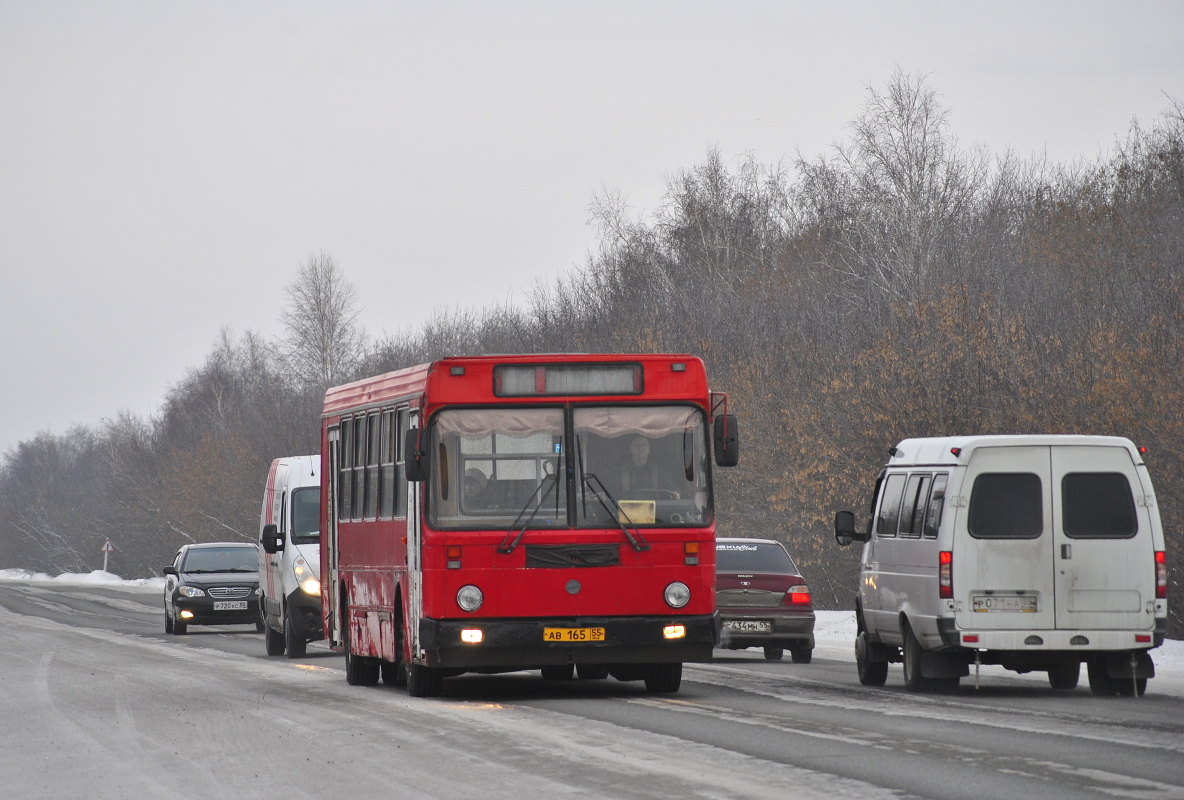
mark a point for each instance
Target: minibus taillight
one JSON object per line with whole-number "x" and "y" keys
{"x": 945, "y": 575}
{"x": 1161, "y": 575}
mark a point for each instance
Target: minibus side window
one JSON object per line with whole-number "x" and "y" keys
{"x": 1006, "y": 505}
{"x": 890, "y": 504}
{"x": 1098, "y": 505}
{"x": 912, "y": 510}
{"x": 937, "y": 501}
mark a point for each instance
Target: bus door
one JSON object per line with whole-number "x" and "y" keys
{"x": 332, "y": 580}
{"x": 414, "y": 546}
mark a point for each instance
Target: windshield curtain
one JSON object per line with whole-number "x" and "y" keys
{"x": 510, "y": 468}
{"x": 641, "y": 466}
{"x": 491, "y": 466}
{"x": 306, "y": 515}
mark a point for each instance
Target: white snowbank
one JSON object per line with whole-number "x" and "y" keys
{"x": 96, "y": 578}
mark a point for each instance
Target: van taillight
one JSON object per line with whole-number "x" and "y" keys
{"x": 1161, "y": 575}
{"x": 945, "y": 575}
{"x": 798, "y": 595}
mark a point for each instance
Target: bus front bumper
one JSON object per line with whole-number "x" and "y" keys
{"x": 521, "y": 643}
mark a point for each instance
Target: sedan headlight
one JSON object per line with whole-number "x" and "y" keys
{"x": 469, "y": 598}
{"x": 190, "y": 591}
{"x": 678, "y": 594}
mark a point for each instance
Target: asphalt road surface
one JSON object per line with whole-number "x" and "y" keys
{"x": 96, "y": 701}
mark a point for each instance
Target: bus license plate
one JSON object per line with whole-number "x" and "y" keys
{"x": 573, "y": 634}
{"x": 982, "y": 602}
{"x": 230, "y": 605}
{"x": 748, "y": 625}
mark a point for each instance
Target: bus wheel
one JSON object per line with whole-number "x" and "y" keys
{"x": 424, "y": 681}
{"x": 558, "y": 672}
{"x": 293, "y": 639}
{"x": 663, "y": 678}
{"x": 359, "y": 670}
{"x": 1065, "y": 678}
{"x": 591, "y": 672}
{"x": 273, "y": 640}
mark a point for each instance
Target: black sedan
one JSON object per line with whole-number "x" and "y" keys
{"x": 216, "y": 583}
{"x": 763, "y": 600}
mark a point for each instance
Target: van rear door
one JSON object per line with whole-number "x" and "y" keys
{"x": 1003, "y": 541}
{"x": 1102, "y": 531}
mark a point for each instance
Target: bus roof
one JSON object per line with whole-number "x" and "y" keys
{"x": 470, "y": 379}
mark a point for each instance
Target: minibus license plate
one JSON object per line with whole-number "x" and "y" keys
{"x": 573, "y": 634}
{"x": 230, "y": 605}
{"x": 748, "y": 625}
{"x": 984, "y": 602}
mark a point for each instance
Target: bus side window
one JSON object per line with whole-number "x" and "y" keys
{"x": 386, "y": 465}
{"x": 345, "y": 457}
{"x": 401, "y": 428}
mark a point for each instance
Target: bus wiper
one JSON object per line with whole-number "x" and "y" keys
{"x": 601, "y": 493}
{"x": 507, "y": 546}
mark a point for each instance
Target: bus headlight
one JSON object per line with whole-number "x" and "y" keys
{"x": 469, "y": 598}
{"x": 678, "y": 594}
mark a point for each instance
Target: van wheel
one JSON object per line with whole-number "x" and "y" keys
{"x": 801, "y": 655}
{"x": 1100, "y": 682}
{"x": 1065, "y": 678}
{"x": 663, "y": 678}
{"x": 424, "y": 681}
{"x": 293, "y": 639}
{"x": 913, "y": 680}
{"x": 774, "y": 653}
{"x": 273, "y": 640}
{"x": 871, "y": 673}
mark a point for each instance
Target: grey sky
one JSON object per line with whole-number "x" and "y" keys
{"x": 164, "y": 166}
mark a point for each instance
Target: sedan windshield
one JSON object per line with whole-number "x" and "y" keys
{"x": 221, "y": 559}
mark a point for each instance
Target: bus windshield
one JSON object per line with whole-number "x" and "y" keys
{"x": 599, "y": 466}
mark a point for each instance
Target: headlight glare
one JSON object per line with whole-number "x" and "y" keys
{"x": 311, "y": 586}
{"x": 190, "y": 591}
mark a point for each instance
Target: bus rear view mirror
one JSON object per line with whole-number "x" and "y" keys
{"x": 272, "y": 541}
{"x": 415, "y": 459}
{"x": 727, "y": 441}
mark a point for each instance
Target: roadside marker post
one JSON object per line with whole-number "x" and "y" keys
{"x": 106, "y": 548}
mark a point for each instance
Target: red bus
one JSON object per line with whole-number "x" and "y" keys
{"x": 501, "y": 513}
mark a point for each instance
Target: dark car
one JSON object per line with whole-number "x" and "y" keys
{"x": 763, "y": 600}
{"x": 212, "y": 584}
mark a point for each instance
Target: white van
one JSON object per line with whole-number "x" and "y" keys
{"x": 1037, "y": 553}
{"x": 290, "y": 561}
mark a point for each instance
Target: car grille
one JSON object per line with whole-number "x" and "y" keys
{"x": 229, "y": 592}
{"x": 748, "y": 598}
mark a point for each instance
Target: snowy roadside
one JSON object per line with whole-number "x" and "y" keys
{"x": 834, "y": 631}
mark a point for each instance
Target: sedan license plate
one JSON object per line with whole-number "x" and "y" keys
{"x": 748, "y": 625}
{"x": 573, "y": 634}
{"x": 983, "y": 602}
{"x": 230, "y": 605}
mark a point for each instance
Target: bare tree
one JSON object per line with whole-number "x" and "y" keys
{"x": 324, "y": 341}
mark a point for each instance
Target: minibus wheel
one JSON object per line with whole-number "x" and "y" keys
{"x": 1065, "y": 678}
{"x": 914, "y": 681}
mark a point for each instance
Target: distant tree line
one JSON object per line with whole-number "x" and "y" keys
{"x": 900, "y": 285}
